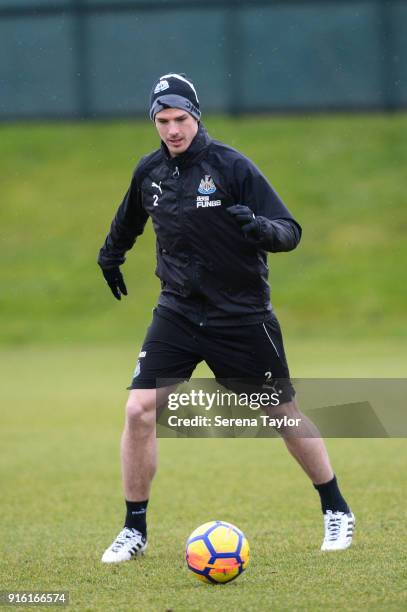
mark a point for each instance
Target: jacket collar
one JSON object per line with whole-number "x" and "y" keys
{"x": 195, "y": 149}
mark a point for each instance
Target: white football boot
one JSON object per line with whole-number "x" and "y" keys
{"x": 127, "y": 545}
{"x": 339, "y": 527}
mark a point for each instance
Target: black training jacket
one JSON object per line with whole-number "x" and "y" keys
{"x": 209, "y": 271}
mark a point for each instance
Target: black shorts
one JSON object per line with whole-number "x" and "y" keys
{"x": 248, "y": 355}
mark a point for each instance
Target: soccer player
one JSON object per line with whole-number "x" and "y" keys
{"x": 215, "y": 217}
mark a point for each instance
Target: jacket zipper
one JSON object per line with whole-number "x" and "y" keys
{"x": 176, "y": 175}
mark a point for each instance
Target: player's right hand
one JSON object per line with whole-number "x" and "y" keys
{"x": 115, "y": 280}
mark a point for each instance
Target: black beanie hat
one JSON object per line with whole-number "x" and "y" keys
{"x": 174, "y": 91}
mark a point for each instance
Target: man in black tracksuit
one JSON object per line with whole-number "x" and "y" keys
{"x": 215, "y": 217}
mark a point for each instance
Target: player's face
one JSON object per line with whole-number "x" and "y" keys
{"x": 176, "y": 128}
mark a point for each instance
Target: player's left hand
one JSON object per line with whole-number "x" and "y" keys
{"x": 246, "y": 219}
{"x": 115, "y": 280}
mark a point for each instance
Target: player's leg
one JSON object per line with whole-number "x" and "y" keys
{"x": 256, "y": 353}
{"x": 312, "y": 456}
{"x": 139, "y": 463}
{"x": 311, "y": 453}
{"x": 308, "y": 448}
{"x": 168, "y": 354}
{"x": 138, "y": 443}
{"x": 304, "y": 442}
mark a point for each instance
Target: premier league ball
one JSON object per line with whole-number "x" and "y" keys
{"x": 217, "y": 552}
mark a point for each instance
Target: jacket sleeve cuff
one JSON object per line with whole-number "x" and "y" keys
{"x": 278, "y": 235}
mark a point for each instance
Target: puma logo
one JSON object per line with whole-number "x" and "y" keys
{"x": 157, "y": 187}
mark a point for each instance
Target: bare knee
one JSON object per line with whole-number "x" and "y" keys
{"x": 294, "y": 423}
{"x": 289, "y": 419}
{"x": 141, "y": 410}
{"x": 288, "y": 409}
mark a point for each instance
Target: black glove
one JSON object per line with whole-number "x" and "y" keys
{"x": 246, "y": 219}
{"x": 115, "y": 280}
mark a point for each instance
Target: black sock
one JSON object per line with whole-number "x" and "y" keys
{"x": 136, "y": 516}
{"x": 331, "y": 497}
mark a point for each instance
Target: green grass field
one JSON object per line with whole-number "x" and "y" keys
{"x": 68, "y": 350}
{"x": 342, "y": 177}
{"x": 62, "y": 503}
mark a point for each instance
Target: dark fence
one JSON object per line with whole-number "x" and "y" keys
{"x": 98, "y": 58}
